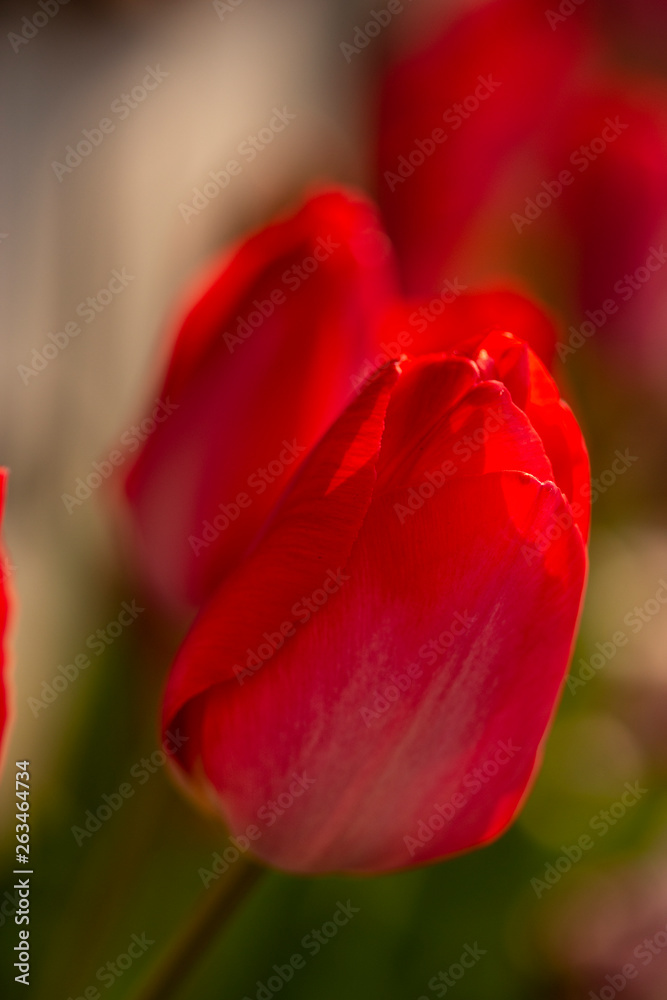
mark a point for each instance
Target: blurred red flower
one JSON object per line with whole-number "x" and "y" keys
{"x": 454, "y": 115}
{"x": 614, "y": 219}
{"x": 508, "y": 147}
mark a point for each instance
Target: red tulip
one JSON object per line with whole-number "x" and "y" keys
{"x": 240, "y": 410}
{"x": 370, "y": 688}
{"x": 3, "y": 618}
{"x": 454, "y": 117}
{"x": 615, "y": 214}
{"x": 592, "y": 241}
{"x": 262, "y": 365}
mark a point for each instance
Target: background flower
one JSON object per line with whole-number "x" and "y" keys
{"x": 558, "y": 186}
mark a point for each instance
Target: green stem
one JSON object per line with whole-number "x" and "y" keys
{"x": 213, "y": 914}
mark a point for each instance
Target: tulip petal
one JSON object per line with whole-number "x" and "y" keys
{"x": 312, "y": 532}
{"x": 263, "y": 364}
{"x": 467, "y": 426}
{"x": 441, "y": 326}
{"x": 471, "y": 561}
{"x": 535, "y": 392}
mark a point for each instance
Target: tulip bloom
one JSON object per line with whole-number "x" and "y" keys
{"x": 264, "y": 361}
{"x": 3, "y": 618}
{"x": 371, "y": 687}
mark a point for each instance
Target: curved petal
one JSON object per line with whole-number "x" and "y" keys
{"x": 287, "y": 322}
{"x": 306, "y": 543}
{"x": 467, "y": 425}
{"x": 464, "y": 712}
{"x": 535, "y": 392}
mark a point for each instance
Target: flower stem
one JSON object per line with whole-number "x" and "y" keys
{"x": 188, "y": 947}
